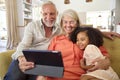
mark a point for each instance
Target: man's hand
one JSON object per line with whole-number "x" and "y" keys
{"x": 111, "y": 35}
{"x": 101, "y": 64}
{"x": 24, "y": 65}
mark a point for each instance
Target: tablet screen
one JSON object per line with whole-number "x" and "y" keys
{"x": 44, "y": 57}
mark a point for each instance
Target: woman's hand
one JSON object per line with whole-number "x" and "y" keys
{"x": 111, "y": 35}
{"x": 24, "y": 65}
{"x": 101, "y": 64}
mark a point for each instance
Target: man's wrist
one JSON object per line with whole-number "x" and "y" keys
{"x": 20, "y": 57}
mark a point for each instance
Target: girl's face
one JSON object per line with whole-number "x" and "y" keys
{"x": 82, "y": 40}
{"x": 68, "y": 24}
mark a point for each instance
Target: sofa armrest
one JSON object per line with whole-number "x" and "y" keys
{"x": 113, "y": 48}
{"x": 5, "y": 59}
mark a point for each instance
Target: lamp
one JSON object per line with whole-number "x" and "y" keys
{"x": 66, "y": 1}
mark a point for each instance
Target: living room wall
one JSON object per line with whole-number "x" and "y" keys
{"x": 82, "y": 7}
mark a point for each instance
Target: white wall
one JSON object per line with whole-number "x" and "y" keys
{"x": 82, "y": 6}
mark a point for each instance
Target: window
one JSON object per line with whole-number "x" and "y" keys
{"x": 36, "y": 9}
{"x": 3, "y": 25}
{"x": 99, "y": 19}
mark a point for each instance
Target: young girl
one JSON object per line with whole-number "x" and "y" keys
{"x": 90, "y": 40}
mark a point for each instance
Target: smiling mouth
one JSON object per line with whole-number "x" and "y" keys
{"x": 81, "y": 46}
{"x": 68, "y": 28}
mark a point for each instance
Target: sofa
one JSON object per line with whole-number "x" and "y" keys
{"x": 113, "y": 48}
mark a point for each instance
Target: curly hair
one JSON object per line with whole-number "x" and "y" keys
{"x": 95, "y": 36}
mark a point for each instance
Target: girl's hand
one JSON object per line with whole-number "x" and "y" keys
{"x": 84, "y": 66}
{"x": 24, "y": 65}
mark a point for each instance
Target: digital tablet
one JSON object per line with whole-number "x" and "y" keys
{"x": 47, "y": 63}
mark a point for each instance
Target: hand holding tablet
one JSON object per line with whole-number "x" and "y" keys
{"x": 47, "y": 63}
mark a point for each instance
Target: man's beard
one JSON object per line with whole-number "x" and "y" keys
{"x": 48, "y": 24}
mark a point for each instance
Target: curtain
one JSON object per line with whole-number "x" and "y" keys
{"x": 12, "y": 29}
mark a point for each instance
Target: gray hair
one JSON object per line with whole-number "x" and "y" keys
{"x": 73, "y": 14}
{"x": 49, "y": 3}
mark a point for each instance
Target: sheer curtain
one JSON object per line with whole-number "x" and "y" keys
{"x": 36, "y": 9}
{"x": 36, "y": 12}
{"x": 13, "y": 38}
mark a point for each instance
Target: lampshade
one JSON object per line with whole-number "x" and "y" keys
{"x": 66, "y": 1}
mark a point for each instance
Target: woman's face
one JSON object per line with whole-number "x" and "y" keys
{"x": 82, "y": 40}
{"x": 68, "y": 24}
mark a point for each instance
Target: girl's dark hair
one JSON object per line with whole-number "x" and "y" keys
{"x": 95, "y": 36}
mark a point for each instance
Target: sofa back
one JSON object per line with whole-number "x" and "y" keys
{"x": 113, "y": 48}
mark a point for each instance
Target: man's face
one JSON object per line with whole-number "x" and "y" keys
{"x": 49, "y": 15}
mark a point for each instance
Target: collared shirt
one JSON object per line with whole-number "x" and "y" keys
{"x": 34, "y": 38}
